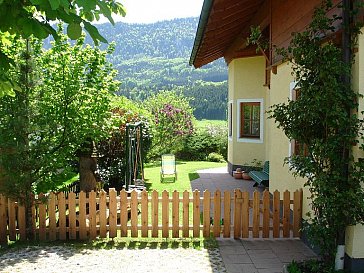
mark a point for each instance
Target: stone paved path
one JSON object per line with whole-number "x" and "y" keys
{"x": 261, "y": 255}
{"x": 63, "y": 259}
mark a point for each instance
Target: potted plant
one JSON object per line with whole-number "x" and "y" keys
{"x": 237, "y": 173}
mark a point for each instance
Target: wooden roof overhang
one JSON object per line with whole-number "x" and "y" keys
{"x": 223, "y": 28}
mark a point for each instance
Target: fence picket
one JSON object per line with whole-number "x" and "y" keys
{"x": 206, "y": 213}
{"x": 112, "y": 213}
{"x": 123, "y": 213}
{"x": 82, "y": 216}
{"x": 62, "y": 216}
{"x": 72, "y": 215}
{"x": 286, "y": 213}
{"x": 103, "y": 214}
{"x": 22, "y": 222}
{"x": 3, "y": 220}
{"x": 175, "y": 214}
{"x": 92, "y": 215}
{"x": 266, "y": 213}
{"x": 297, "y": 213}
{"x": 42, "y": 217}
{"x": 165, "y": 214}
{"x": 155, "y": 211}
{"x": 217, "y": 213}
{"x": 245, "y": 215}
{"x": 237, "y": 213}
{"x": 196, "y": 213}
{"x": 12, "y": 219}
{"x": 256, "y": 214}
{"x": 134, "y": 213}
{"x": 227, "y": 213}
{"x": 52, "y": 216}
{"x": 144, "y": 212}
{"x": 276, "y": 214}
{"x": 186, "y": 214}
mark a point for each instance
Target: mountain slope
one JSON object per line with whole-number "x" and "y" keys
{"x": 154, "y": 57}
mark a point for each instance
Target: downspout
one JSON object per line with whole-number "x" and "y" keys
{"x": 347, "y": 55}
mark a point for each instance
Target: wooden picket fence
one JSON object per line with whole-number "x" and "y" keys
{"x": 135, "y": 214}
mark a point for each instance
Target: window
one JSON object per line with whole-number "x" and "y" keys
{"x": 230, "y": 118}
{"x": 250, "y": 120}
{"x": 297, "y": 148}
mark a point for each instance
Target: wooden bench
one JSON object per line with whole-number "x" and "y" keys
{"x": 261, "y": 178}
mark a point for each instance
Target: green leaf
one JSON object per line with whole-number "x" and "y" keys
{"x": 94, "y": 33}
{"x": 54, "y": 4}
{"x": 74, "y": 31}
{"x": 6, "y": 89}
{"x": 39, "y": 29}
{"x": 88, "y": 5}
{"x": 106, "y": 11}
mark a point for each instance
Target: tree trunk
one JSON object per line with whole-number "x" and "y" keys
{"x": 28, "y": 202}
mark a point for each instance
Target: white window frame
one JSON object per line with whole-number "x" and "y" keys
{"x": 245, "y": 139}
{"x": 230, "y": 120}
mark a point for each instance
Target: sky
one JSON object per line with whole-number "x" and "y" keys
{"x": 150, "y": 11}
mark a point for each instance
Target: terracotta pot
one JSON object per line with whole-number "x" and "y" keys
{"x": 246, "y": 176}
{"x": 237, "y": 175}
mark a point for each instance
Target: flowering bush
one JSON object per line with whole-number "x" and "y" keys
{"x": 172, "y": 122}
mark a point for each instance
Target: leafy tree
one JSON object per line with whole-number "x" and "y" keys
{"x": 323, "y": 119}
{"x": 64, "y": 103}
{"x": 173, "y": 119}
{"x": 27, "y": 18}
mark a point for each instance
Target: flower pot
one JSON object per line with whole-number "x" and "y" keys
{"x": 246, "y": 176}
{"x": 237, "y": 175}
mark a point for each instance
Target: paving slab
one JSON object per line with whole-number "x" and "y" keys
{"x": 261, "y": 255}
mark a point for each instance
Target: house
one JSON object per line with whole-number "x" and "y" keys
{"x": 256, "y": 82}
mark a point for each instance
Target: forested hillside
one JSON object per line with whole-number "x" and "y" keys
{"x": 154, "y": 57}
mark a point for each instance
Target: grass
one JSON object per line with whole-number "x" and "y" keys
{"x": 186, "y": 172}
{"x": 208, "y": 122}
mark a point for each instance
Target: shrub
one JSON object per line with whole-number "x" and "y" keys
{"x": 212, "y": 139}
{"x": 172, "y": 122}
{"x": 215, "y": 157}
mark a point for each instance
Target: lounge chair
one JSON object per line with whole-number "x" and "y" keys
{"x": 168, "y": 167}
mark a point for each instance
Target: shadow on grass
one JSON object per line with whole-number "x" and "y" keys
{"x": 193, "y": 176}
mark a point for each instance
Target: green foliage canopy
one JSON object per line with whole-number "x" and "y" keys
{"x": 64, "y": 102}
{"x": 34, "y": 17}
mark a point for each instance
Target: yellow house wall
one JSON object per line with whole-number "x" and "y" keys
{"x": 355, "y": 234}
{"x": 246, "y": 81}
{"x": 280, "y": 178}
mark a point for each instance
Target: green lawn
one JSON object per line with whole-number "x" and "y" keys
{"x": 207, "y": 122}
{"x": 186, "y": 172}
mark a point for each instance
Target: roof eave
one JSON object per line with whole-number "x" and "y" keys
{"x": 204, "y": 17}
